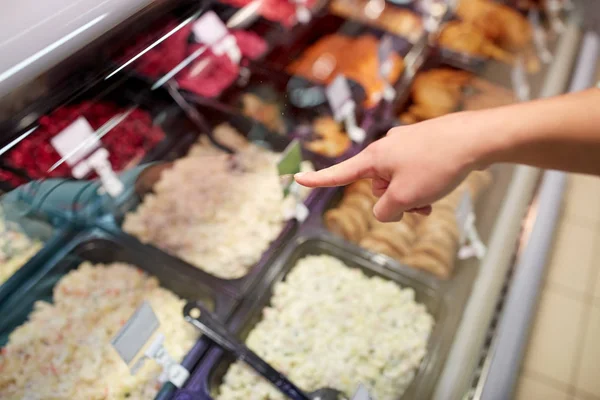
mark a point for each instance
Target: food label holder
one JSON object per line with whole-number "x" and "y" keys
{"x": 520, "y": 83}
{"x": 211, "y": 31}
{"x": 471, "y": 244}
{"x": 140, "y": 333}
{"x": 362, "y": 394}
{"x": 79, "y": 146}
{"x": 386, "y": 48}
{"x": 343, "y": 106}
{"x": 540, "y": 38}
{"x": 303, "y": 14}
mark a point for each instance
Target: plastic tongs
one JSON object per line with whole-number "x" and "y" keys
{"x": 203, "y": 319}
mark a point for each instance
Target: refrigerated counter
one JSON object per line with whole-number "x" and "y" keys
{"x": 132, "y": 163}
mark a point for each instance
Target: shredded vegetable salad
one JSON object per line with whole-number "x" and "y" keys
{"x": 63, "y": 351}
{"x": 332, "y": 326}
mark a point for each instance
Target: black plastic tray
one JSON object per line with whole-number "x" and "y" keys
{"x": 111, "y": 219}
{"x": 210, "y": 372}
{"x": 98, "y": 246}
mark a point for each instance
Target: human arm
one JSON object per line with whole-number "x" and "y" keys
{"x": 413, "y": 166}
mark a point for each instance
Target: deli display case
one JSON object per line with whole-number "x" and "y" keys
{"x": 146, "y": 163}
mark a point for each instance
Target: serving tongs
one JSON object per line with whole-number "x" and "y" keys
{"x": 208, "y": 324}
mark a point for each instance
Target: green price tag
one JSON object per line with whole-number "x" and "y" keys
{"x": 289, "y": 164}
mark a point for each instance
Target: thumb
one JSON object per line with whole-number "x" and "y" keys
{"x": 387, "y": 208}
{"x": 356, "y": 168}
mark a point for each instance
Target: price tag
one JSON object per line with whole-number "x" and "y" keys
{"x": 76, "y": 141}
{"x": 291, "y": 159}
{"x": 303, "y": 14}
{"x": 520, "y": 82}
{"x": 137, "y": 334}
{"x": 110, "y": 181}
{"x": 554, "y": 8}
{"x": 290, "y": 164}
{"x": 339, "y": 96}
{"x": 433, "y": 13}
{"x": 384, "y": 53}
{"x": 79, "y": 146}
{"x": 361, "y": 394}
{"x": 464, "y": 212}
{"x": 471, "y": 244}
{"x": 211, "y": 31}
{"x": 539, "y": 37}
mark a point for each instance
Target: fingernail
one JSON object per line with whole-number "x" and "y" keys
{"x": 299, "y": 175}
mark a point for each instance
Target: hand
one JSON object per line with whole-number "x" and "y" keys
{"x": 412, "y": 167}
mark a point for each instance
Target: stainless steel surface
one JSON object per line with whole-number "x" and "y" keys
{"x": 470, "y": 338}
{"x": 38, "y": 35}
{"x": 502, "y": 366}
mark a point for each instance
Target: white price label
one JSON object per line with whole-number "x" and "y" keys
{"x": 137, "y": 332}
{"x": 339, "y": 96}
{"x": 361, "y": 394}
{"x": 471, "y": 244}
{"x": 520, "y": 82}
{"x": 384, "y": 54}
{"x": 303, "y": 14}
{"x": 539, "y": 37}
{"x": 464, "y": 213}
{"x": 385, "y": 51}
{"x": 211, "y": 31}
{"x": 76, "y": 141}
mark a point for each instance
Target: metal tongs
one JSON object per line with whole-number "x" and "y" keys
{"x": 208, "y": 324}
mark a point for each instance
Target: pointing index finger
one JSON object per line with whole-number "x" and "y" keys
{"x": 356, "y": 168}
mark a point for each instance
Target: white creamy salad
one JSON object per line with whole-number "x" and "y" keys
{"x": 332, "y": 326}
{"x": 216, "y": 211}
{"x": 16, "y": 248}
{"x": 63, "y": 351}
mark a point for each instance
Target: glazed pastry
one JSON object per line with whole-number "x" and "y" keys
{"x": 393, "y": 19}
{"x": 362, "y": 186}
{"x": 400, "y": 245}
{"x": 267, "y": 113}
{"x": 337, "y": 224}
{"x": 427, "y": 243}
{"x": 465, "y": 38}
{"x": 429, "y": 264}
{"x": 377, "y": 246}
{"x": 440, "y": 91}
{"x": 360, "y": 202}
{"x": 331, "y": 139}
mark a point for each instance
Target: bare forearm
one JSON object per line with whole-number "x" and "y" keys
{"x": 560, "y": 133}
